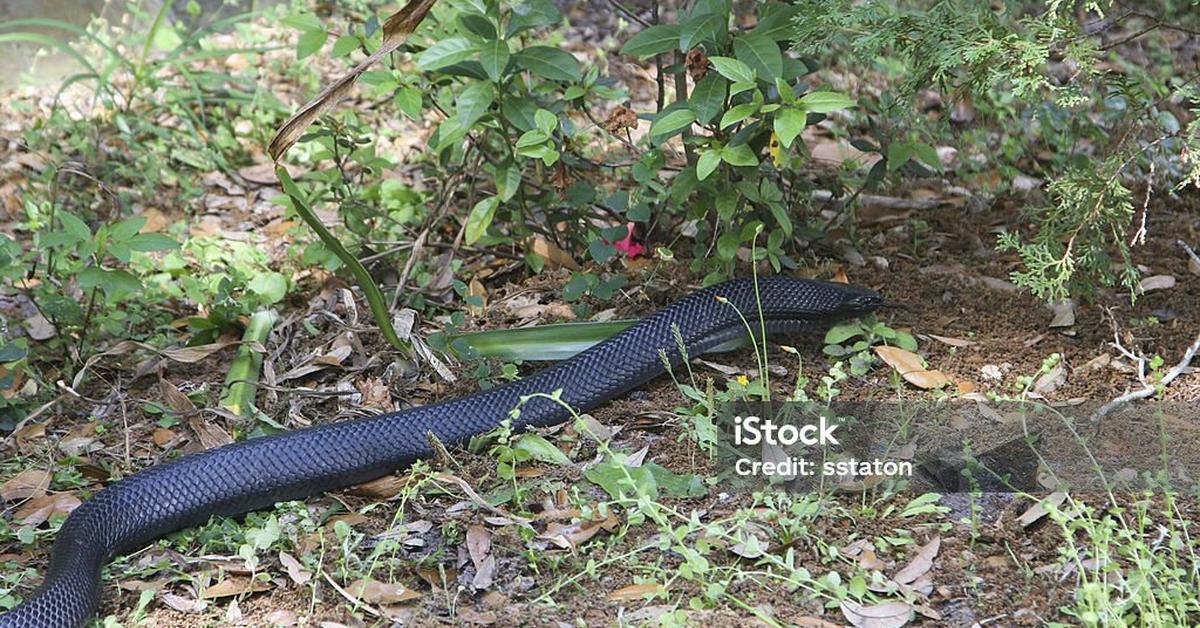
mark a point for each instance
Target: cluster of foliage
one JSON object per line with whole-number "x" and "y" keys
{"x": 1040, "y": 68}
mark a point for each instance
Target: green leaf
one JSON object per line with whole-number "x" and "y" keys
{"x": 842, "y": 332}
{"x": 657, "y": 39}
{"x": 707, "y": 163}
{"x": 508, "y": 180}
{"x": 344, "y": 45}
{"x": 474, "y": 101}
{"x": 670, "y": 122}
{"x": 10, "y": 352}
{"x": 676, "y": 485}
{"x": 699, "y": 28}
{"x": 740, "y": 155}
{"x": 147, "y": 242}
{"x": 898, "y": 154}
{"x": 825, "y": 102}
{"x": 494, "y": 56}
{"x": 481, "y": 218}
{"x": 271, "y": 286}
{"x": 542, "y": 342}
{"x": 409, "y": 101}
{"x": 928, "y": 155}
{"x": 617, "y": 479}
{"x": 310, "y": 42}
{"x": 776, "y": 22}
{"x": 789, "y": 123}
{"x": 737, "y": 113}
{"x": 549, "y": 63}
{"x": 708, "y": 97}
{"x": 74, "y": 227}
{"x": 733, "y": 69}
{"x": 479, "y": 25}
{"x": 112, "y": 282}
{"x": 782, "y": 219}
{"x": 446, "y": 53}
{"x": 303, "y": 22}
{"x": 532, "y": 137}
{"x": 761, "y": 53}
{"x": 546, "y": 121}
{"x": 125, "y": 229}
{"x": 539, "y": 448}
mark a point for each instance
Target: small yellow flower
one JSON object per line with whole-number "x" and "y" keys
{"x": 743, "y": 380}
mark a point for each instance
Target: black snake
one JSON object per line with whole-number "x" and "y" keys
{"x": 256, "y": 473}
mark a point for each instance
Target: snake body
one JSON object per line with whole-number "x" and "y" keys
{"x": 257, "y": 473}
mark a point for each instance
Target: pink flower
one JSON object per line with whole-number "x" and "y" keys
{"x": 630, "y": 247}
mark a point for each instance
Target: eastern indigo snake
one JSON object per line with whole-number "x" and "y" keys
{"x": 256, "y": 473}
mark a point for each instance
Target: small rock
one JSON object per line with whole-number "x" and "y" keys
{"x": 1025, "y": 184}
{"x": 1156, "y": 282}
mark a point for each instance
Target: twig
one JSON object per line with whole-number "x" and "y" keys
{"x": 1191, "y": 253}
{"x": 1149, "y": 389}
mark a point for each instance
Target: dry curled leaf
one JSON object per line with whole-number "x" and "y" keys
{"x": 634, "y": 592}
{"x": 26, "y": 484}
{"x": 911, "y": 367}
{"x": 376, "y": 592}
{"x": 921, "y": 563}
{"x": 888, "y": 615}
{"x": 235, "y": 586}
{"x": 396, "y": 30}
{"x": 620, "y": 119}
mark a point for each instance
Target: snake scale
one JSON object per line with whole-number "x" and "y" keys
{"x": 256, "y": 473}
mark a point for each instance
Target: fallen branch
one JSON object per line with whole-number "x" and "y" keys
{"x": 1148, "y": 389}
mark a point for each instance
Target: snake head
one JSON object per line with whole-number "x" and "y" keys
{"x": 857, "y": 301}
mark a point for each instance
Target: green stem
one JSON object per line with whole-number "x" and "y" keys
{"x": 379, "y": 308}
{"x": 241, "y": 383}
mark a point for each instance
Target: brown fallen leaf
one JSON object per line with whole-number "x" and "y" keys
{"x": 376, "y": 592}
{"x": 921, "y": 563}
{"x": 295, "y": 570}
{"x": 26, "y": 484}
{"x": 911, "y": 367}
{"x": 232, "y": 586}
{"x": 175, "y": 398}
{"x": 953, "y": 342}
{"x": 396, "y": 30}
{"x": 887, "y": 615}
{"x": 634, "y": 592}
{"x": 554, "y": 256}
{"x": 1041, "y": 508}
{"x": 38, "y": 509}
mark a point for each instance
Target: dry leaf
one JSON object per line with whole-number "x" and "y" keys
{"x": 294, "y": 569}
{"x": 921, "y": 563}
{"x": 476, "y": 289}
{"x": 396, "y": 30}
{"x": 38, "y": 509}
{"x": 235, "y": 586}
{"x": 26, "y": 484}
{"x": 470, "y": 616}
{"x": 911, "y": 367}
{"x": 175, "y": 398}
{"x": 183, "y": 604}
{"x": 554, "y": 256}
{"x": 888, "y": 615}
{"x": 953, "y": 342}
{"x": 1041, "y": 508}
{"x": 634, "y": 592}
{"x": 375, "y": 592}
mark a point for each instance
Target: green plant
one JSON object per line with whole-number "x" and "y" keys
{"x": 855, "y": 338}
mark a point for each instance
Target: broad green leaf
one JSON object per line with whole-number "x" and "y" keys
{"x": 310, "y": 42}
{"x": 737, "y": 113}
{"x": 654, "y": 40}
{"x": 670, "y": 122}
{"x": 494, "y": 56}
{"x": 271, "y": 286}
{"x": 541, "y": 449}
{"x": 825, "y": 102}
{"x": 446, "y": 53}
{"x": 739, "y": 155}
{"x": 532, "y": 137}
{"x": 707, "y": 163}
{"x": 898, "y": 154}
{"x": 618, "y": 480}
{"x": 699, "y": 28}
{"x": 776, "y": 22}
{"x": 112, "y": 282}
{"x": 928, "y": 155}
{"x": 303, "y": 22}
{"x": 74, "y": 227}
{"x": 344, "y": 45}
{"x": 478, "y": 25}
{"x": 147, "y": 242}
{"x": 546, "y": 121}
{"x": 789, "y": 123}
{"x": 474, "y": 101}
{"x": 549, "y": 63}
{"x": 508, "y": 180}
{"x": 125, "y": 229}
{"x": 733, "y": 69}
{"x": 481, "y": 218}
{"x": 781, "y": 218}
{"x": 409, "y": 101}
{"x": 842, "y": 332}
{"x": 761, "y": 53}
{"x": 708, "y": 97}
